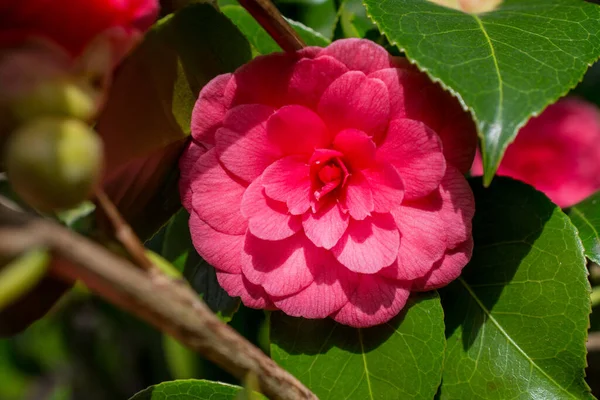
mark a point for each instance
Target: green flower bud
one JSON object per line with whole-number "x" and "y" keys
{"x": 54, "y": 163}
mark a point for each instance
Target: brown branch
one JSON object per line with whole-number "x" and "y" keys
{"x": 123, "y": 231}
{"x": 593, "y": 342}
{"x": 171, "y": 307}
{"x": 269, "y": 17}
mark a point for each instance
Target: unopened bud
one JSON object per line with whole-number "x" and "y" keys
{"x": 54, "y": 163}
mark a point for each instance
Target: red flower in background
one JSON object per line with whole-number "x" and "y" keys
{"x": 557, "y": 152}
{"x": 329, "y": 182}
{"x": 73, "y": 24}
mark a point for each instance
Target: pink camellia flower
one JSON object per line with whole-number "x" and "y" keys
{"x": 328, "y": 183}
{"x": 73, "y": 24}
{"x": 557, "y": 152}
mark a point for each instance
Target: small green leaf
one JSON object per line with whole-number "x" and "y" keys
{"x": 401, "y": 359}
{"x": 586, "y": 217}
{"x": 260, "y": 40}
{"x": 178, "y": 249}
{"x": 189, "y": 390}
{"x": 505, "y": 65}
{"x": 353, "y": 19}
{"x": 517, "y": 318}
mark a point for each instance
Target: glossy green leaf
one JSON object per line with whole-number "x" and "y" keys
{"x": 178, "y": 249}
{"x": 505, "y": 65}
{"x": 260, "y": 40}
{"x": 401, "y": 359}
{"x": 189, "y": 390}
{"x": 147, "y": 116}
{"x": 586, "y": 217}
{"x": 517, "y": 318}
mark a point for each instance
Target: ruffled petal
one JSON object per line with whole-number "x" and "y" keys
{"x": 422, "y": 238}
{"x": 416, "y": 152}
{"x": 327, "y": 294}
{"x": 220, "y": 250}
{"x": 387, "y": 187}
{"x": 266, "y": 78}
{"x": 358, "y": 148}
{"x": 368, "y": 245}
{"x": 288, "y": 180}
{"x": 458, "y": 207}
{"x": 281, "y": 272}
{"x": 242, "y": 143}
{"x": 253, "y": 296}
{"x": 267, "y": 219}
{"x": 414, "y": 96}
{"x": 187, "y": 165}
{"x": 447, "y": 269}
{"x": 355, "y": 101}
{"x": 358, "y": 197}
{"x": 214, "y": 101}
{"x": 217, "y": 196}
{"x": 297, "y": 130}
{"x": 375, "y": 300}
{"x": 325, "y": 227}
{"x": 311, "y": 78}
{"x": 359, "y": 55}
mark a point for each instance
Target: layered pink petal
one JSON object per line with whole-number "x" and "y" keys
{"x": 368, "y": 245}
{"x": 236, "y": 285}
{"x": 355, "y": 101}
{"x": 267, "y": 219}
{"x": 387, "y": 185}
{"x": 215, "y": 99}
{"x": 447, "y": 269}
{"x": 265, "y": 80}
{"x": 217, "y": 196}
{"x": 413, "y": 96}
{"x": 327, "y": 294}
{"x": 297, "y": 130}
{"x": 375, "y": 300}
{"x": 358, "y": 197}
{"x": 359, "y": 55}
{"x": 220, "y": 250}
{"x": 458, "y": 207}
{"x": 358, "y": 149}
{"x": 416, "y": 152}
{"x": 242, "y": 143}
{"x": 326, "y": 226}
{"x": 187, "y": 164}
{"x": 288, "y": 180}
{"x": 282, "y": 272}
{"x": 310, "y": 78}
{"x": 422, "y": 238}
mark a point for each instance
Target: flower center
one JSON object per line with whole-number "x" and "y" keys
{"x": 328, "y": 171}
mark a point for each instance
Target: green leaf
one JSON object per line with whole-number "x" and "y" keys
{"x": 260, "y": 40}
{"x": 586, "y": 217}
{"x": 20, "y": 275}
{"x": 505, "y": 65}
{"x": 353, "y": 19}
{"x": 517, "y": 318}
{"x": 178, "y": 249}
{"x": 189, "y": 390}
{"x": 401, "y": 359}
{"x": 147, "y": 116}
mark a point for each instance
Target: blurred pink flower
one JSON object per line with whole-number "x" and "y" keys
{"x": 557, "y": 152}
{"x": 73, "y": 24}
{"x": 328, "y": 183}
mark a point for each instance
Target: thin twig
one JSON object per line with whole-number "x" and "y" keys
{"x": 269, "y": 17}
{"x": 171, "y": 307}
{"x": 123, "y": 231}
